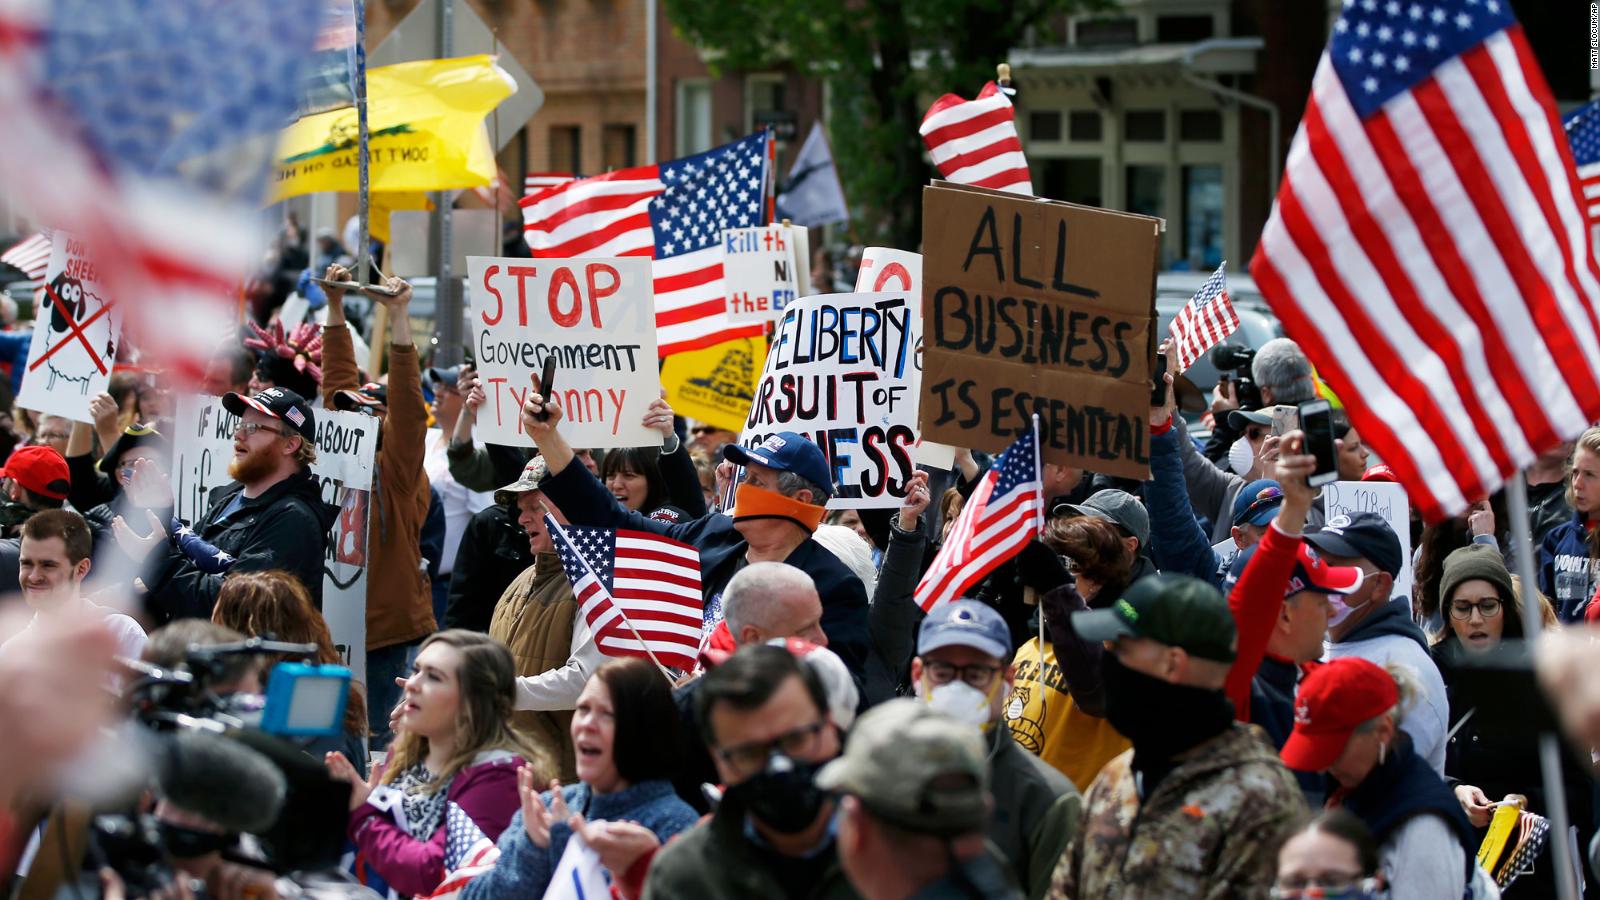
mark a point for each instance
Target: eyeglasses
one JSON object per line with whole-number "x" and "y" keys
{"x": 975, "y": 675}
{"x": 250, "y": 429}
{"x": 752, "y": 757}
{"x": 1487, "y": 608}
{"x": 704, "y": 429}
{"x": 54, "y": 435}
{"x": 1308, "y": 889}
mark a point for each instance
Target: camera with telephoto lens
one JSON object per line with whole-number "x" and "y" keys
{"x": 230, "y": 773}
{"x": 1237, "y": 360}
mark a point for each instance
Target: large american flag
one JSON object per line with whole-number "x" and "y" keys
{"x": 31, "y": 255}
{"x": 1583, "y": 131}
{"x": 468, "y": 853}
{"x": 1005, "y": 512}
{"x": 675, "y": 212}
{"x": 975, "y": 141}
{"x": 1428, "y": 247}
{"x": 146, "y": 129}
{"x": 1205, "y": 320}
{"x": 634, "y": 586}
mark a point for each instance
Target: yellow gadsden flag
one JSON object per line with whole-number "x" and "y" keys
{"x": 425, "y": 127}
{"x": 717, "y": 384}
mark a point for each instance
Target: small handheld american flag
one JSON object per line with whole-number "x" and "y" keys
{"x": 975, "y": 141}
{"x": 468, "y": 853}
{"x": 1005, "y": 512}
{"x": 1205, "y": 320}
{"x": 639, "y": 592}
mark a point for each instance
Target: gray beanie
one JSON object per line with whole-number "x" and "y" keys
{"x": 1476, "y": 561}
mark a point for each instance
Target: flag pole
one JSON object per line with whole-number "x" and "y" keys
{"x": 1549, "y": 744}
{"x": 362, "y": 140}
{"x": 640, "y": 638}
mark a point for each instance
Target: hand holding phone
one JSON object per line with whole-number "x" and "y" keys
{"x": 1158, "y": 375}
{"x": 547, "y": 378}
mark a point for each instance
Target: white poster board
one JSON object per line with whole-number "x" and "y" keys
{"x": 887, "y": 269}
{"x": 761, "y": 268}
{"x": 842, "y": 372}
{"x": 75, "y": 334}
{"x": 595, "y": 316}
{"x": 1387, "y": 499}
{"x": 346, "y": 446}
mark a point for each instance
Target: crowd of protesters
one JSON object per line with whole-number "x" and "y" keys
{"x": 1128, "y": 708}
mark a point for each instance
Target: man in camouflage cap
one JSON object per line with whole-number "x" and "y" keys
{"x": 915, "y": 786}
{"x": 1199, "y": 805}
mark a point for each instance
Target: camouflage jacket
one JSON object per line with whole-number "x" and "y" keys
{"x": 1211, "y": 829}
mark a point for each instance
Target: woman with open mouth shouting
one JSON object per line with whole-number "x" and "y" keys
{"x": 625, "y": 732}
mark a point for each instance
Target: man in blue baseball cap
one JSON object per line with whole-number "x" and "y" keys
{"x": 777, "y": 507}
{"x": 962, "y": 669}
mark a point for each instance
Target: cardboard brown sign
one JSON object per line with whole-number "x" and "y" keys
{"x": 1037, "y": 306}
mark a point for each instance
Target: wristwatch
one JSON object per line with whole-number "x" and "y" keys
{"x": 671, "y": 444}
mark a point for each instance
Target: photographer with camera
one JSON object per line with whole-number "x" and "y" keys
{"x": 1279, "y": 373}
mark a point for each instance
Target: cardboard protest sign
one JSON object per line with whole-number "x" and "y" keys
{"x": 841, "y": 371}
{"x": 761, "y": 271}
{"x": 346, "y": 446}
{"x": 717, "y": 384}
{"x": 887, "y": 269}
{"x": 1344, "y": 498}
{"x": 75, "y": 334}
{"x": 596, "y": 317}
{"x": 1035, "y": 306}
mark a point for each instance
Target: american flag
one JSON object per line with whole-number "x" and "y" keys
{"x": 1005, "y": 512}
{"x": 675, "y": 212}
{"x": 1583, "y": 131}
{"x": 975, "y": 141}
{"x": 146, "y": 128}
{"x": 633, "y": 586}
{"x": 538, "y": 182}
{"x": 1205, "y": 320}
{"x": 31, "y": 255}
{"x": 468, "y": 853}
{"x": 1428, "y": 247}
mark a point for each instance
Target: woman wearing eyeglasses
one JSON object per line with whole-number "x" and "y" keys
{"x": 1333, "y": 856}
{"x": 1484, "y": 763}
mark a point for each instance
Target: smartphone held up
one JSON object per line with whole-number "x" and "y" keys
{"x": 1316, "y": 422}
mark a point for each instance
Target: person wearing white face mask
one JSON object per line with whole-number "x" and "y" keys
{"x": 960, "y": 670}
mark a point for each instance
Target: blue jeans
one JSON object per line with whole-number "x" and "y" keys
{"x": 383, "y": 667}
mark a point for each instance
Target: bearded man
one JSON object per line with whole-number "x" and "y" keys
{"x": 271, "y": 517}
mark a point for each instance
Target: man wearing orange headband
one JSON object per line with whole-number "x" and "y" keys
{"x": 776, "y": 508}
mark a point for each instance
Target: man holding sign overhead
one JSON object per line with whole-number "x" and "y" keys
{"x": 776, "y": 509}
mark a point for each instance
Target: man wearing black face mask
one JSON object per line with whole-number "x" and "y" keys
{"x": 765, "y": 717}
{"x": 1198, "y": 805}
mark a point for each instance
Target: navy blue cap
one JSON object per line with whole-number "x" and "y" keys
{"x": 786, "y": 452}
{"x": 279, "y": 403}
{"x": 965, "y": 623}
{"x": 1365, "y": 534}
{"x": 1257, "y": 502}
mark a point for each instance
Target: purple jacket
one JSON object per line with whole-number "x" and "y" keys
{"x": 486, "y": 791}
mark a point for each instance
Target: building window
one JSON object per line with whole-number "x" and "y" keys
{"x": 1184, "y": 29}
{"x": 762, "y": 94}
{"x": 1144, "y": 189}
{"x": 1144, "y": 125}
{"x": 1200, "y": 125}
{"x": 693, "y": 117}
{"x": 1110, "y": 32}
{"x": 1044, "y": 126}
{"x": 1075, "y": 180}
{"x": 566, "y": 148}
{"x": 617, "y": 149}
{"x": 1084, "y": 125}
{"x": 1202, "y": 216}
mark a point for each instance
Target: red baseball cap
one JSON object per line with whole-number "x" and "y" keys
{"x": 1380, "y": 472}
{"x": 1334, "y": 700}
{"x": 40, "y": 469}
